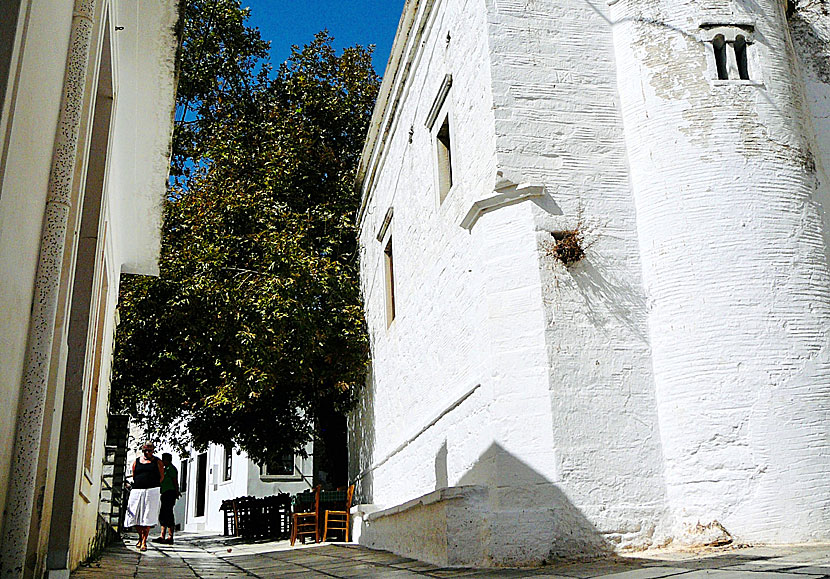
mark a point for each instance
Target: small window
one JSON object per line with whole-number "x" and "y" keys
{"x": 283, "y": 466}
{"x": 444, "y": 146}
{"x": 228, "y": 463}
{"x": 730, "y": 50}
{"x": 719, "y": 45}
{"x": 389, "y": 266}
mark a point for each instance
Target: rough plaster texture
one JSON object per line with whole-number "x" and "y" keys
{"x": 678, "y": 373}
{"x": 558, "y": 123}
{"x": 732, "y": 227}
{"x": 422, "y": 528}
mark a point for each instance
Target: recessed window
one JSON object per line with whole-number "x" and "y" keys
{"x": 719, "y": 46}
{"x": 389, "y": 267}
{"x": 444, "y": 146}
{"x": 740, "y": 57}
{"x": 183, "y": 475}
{"x": 730, "y": 50}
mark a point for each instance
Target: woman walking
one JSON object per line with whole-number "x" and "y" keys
{"x": 145, "y": 496}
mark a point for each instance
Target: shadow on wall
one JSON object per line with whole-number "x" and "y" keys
{"x": 502, "y": 513}
{"x": 629, "y": 309}
{"x": 531, "y": 515}
{"x": 361, "y": 429}
{"x": 441, "y": 473}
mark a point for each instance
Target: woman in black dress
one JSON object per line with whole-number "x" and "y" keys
{"x": 145, "y": 496}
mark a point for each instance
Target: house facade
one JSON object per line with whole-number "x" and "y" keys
{"x": 222, "y": 473}
{"x": 87, "y": 93}
{"x": 594, "y": 257}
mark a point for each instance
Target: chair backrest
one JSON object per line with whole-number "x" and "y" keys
{"x": 307, "y": 501}
{"x": 339, "y": 500}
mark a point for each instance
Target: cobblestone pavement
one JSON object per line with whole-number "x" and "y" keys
{"x": 211, "y": 556}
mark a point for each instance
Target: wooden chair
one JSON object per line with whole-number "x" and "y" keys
{"x": 336, "y": 519}
{"x": 304, "y": 520}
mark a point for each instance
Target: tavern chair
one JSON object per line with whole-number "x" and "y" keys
{"x": 338, "y": 520}
{"x": 304, "y": 520}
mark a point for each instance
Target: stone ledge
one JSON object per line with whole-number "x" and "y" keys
{"x": 447, "y": 527}
{"x": 445, "y": 494}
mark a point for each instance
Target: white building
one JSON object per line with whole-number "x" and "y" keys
{"x": 223, "y": 473}
{"x": 671, "y": 385}
{"x": 86, "y": 101}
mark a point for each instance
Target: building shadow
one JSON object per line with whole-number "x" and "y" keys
{"x": 361, "y": 443}
{"x": 500, "y": 513}
{"x": 530, "y": 518}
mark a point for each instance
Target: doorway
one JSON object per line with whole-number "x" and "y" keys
{"x": 201, "y": 484}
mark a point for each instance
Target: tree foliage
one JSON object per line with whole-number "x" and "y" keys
{"x": 255, "y": 325}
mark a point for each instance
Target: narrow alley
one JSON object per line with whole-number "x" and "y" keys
{"x": 209, "y": 556}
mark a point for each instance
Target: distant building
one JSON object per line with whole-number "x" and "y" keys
{"x": 87, "y": 93}
{"x": 221, "y": 473}
{"x": 594, "y": 250}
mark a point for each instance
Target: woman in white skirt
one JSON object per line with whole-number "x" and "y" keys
{"x": 145, "y": 496}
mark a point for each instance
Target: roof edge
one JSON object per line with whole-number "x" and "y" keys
{"x": 397, "y": 71}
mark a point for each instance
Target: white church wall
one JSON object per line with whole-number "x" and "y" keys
{"x": 436, "y": 351}
{"x": 674, "y": 375}
{"x": 558, "y": 123}
{"x": 460, "y": 386}
{"x": 729, "y": 216}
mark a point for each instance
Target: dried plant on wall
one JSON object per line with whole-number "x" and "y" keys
{"x": 568, "y": 246}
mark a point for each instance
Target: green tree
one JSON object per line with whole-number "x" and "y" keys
{"x": 254, "y": 329}
{"x": 222, "y": 66}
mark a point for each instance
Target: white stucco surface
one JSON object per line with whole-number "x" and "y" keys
{"x": 730, "y": 216}
{"x": 677, "y": 374}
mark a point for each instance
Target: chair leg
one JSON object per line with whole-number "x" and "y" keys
{"x": 326, "y": 528}
{"x": 293, "y": 530}
{"x": 347, "y": 527}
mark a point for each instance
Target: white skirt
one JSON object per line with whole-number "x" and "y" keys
{"x": 143, "y": 508}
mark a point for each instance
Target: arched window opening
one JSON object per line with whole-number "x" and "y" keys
{"x": 719, "y": 44}
{"x": 740, "y": 57}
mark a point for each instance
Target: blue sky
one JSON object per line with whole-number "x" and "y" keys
{"x": 287, "y": 22}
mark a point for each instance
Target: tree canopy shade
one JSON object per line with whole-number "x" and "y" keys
{"x": 255, "y": 326}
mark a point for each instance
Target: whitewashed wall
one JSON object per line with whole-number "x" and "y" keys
{"x": 24, "y": 184}
{"x": 558, "y": 123}
{"x": 43, "y": 68}
{"x": 732, "y": 226}
{"x": 678, "y": 373}
{"x": 432, "y": 354}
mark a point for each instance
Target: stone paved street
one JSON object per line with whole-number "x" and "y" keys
{"x": 211, "y": 556}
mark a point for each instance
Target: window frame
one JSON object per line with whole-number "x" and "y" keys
{"x": 297, "y": 474}
{"x": 731, "y": 58}
{"x": 440, "y": 123}
{"x": 443, "y": 142}
{"x": 389, "y": 280}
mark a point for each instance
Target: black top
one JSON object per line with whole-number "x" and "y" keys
{"x": 146, "y": 475}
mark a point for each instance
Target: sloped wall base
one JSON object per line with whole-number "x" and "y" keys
{"x": 458, "y": 527}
